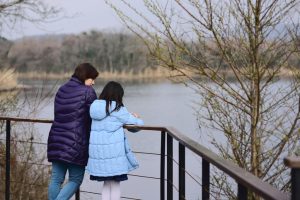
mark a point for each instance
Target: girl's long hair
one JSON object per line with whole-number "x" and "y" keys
{"x": 112, "y": 91}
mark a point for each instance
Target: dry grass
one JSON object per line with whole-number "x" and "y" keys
{"x": 149, "y": 73}
{"x": 8, "y": 80}
{"x": 159, "y": 73}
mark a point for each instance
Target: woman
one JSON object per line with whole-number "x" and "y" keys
{"x": 69, "y": 135}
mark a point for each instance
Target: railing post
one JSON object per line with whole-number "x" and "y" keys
{"x": 294, "y": 164}
{"x": 181, "y": 172}
{"x": 169, "y": 167}
{"x": 295, "y": 183}
{"x": 242, "y": 192}
{"x": 77, "y": 195}
{"x": 7, "y": 161}
{"x": 162, "y": 165}
{"x": 205, "y": 179}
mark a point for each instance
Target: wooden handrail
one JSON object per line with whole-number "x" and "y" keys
{"x": 243, "y": 177}
{"x": 292, "y": 162}
{"x": 247, "y": 179}
{"x": 20, "y": 119}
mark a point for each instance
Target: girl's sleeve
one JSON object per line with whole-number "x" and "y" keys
{"x": 133, "y": 120}
{"x": 128, "y": 118}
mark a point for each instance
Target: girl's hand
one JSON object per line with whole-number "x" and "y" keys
{"x": 135, "y": 115}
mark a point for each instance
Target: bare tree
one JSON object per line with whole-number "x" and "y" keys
{"x": 110, "y": 51}
{"x": 237, "y": 53}
{"x": 13, "y": 12}
{"x": 36, "y": 11}
{"x": 29, "y": 178}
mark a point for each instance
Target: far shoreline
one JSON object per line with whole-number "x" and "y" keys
{"x": 157, "y": 74}
{"x": 17, "y": 81}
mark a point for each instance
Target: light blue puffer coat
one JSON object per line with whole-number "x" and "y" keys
{"x": 109, "y": 151}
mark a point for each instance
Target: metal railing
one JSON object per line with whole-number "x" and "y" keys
{"x": 246, "y": 181}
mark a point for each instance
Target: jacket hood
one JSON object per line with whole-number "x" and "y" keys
{"x": 97, "y": 109}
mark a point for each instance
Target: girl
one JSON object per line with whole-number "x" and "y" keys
{"x": 69, "y": 135}
{"x": 110, "y": 157}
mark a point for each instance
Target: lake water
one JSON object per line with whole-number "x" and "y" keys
{"x": 158, "y": 104}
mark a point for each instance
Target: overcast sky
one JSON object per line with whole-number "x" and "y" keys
{"x": 88, "y": 14}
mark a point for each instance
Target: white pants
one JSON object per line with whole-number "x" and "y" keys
{"x": 111, "y": 190}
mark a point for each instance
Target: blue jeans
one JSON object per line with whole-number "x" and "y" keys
{"x": 59, "y": 169}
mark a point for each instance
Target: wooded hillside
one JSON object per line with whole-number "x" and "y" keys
{"x": 61, "y": 53}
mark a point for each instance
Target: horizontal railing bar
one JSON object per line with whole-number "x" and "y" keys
{"x": 20, "y": 119}
{"x": 187, "y": 172}
{"x": 33, "y": 163}
{"x": 30, "y": 184}
{"x": 142, "y": 176}
{"x": 43, "y": 143}
{"x": 149, "y": 128}
{"x": 24, "y": 141}
{"x": 147, "y": 153}
{"x": 84, "y": 191}
{"x": 154, "y": 178}
{"x": 150, "y": 177}
{"x": 81, "y": 191}
{"x": 177, "y": 190}
{"x": 243, "y": 177}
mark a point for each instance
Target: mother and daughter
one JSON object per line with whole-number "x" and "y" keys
{"x": 87, "y": 134}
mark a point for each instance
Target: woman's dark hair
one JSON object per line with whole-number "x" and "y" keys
{"x": 112, "y": 91}
{"x": 85, "y": 71}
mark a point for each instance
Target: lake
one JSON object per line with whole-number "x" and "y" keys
{"x": 158, "y": 104}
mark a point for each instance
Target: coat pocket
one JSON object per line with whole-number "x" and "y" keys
{"x": 132, "y": 160}
{"x": 129, "y": 154}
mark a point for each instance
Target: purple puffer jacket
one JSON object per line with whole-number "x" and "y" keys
{"x": 69, "y": 135}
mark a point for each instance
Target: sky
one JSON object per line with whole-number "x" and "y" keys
{"x": 81, "y": 16}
